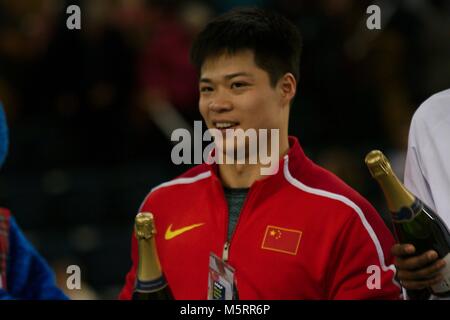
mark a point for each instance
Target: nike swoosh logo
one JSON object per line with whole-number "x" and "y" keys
{"x": 170, "y": 234}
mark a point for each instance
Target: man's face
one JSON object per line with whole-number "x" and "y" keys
{"x": 236, "y": 93}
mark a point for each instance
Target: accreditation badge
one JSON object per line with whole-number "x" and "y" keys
{"x": 220, "y": 279}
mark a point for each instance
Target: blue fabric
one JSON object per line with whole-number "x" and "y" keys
{"x": 28, "y": 275}
{"x": 3, "y": 136}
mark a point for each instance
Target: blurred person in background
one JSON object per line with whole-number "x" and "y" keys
{"x": 26, "y": 29}
{"x": 166, "y": 79}
{"x": 427, "y": 175}
{"x": 24, "y": 274}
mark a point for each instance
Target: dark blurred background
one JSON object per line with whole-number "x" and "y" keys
{"x": 91, "y": 111}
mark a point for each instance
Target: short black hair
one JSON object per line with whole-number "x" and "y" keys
{"x": 274, "y": 40}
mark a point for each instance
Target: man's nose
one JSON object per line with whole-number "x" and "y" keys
{"x": 220, "y": 106}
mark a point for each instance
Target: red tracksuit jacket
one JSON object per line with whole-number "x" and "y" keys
{"x": 302, "y": 234}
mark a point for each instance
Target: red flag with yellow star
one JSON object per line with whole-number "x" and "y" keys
{"x": 281, "y": 240}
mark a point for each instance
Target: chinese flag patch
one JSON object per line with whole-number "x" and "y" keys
{"x": 281, "y": 240}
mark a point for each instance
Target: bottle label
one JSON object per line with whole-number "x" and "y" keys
{"x": 444, "y": 285}
{"x": 406, "y": 214}
{"x": 151, "y": 286}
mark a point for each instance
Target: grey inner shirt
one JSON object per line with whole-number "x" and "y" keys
{"x": 235, "y": 199}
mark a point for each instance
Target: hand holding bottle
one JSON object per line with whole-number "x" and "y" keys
{"x": 417, "y": 272}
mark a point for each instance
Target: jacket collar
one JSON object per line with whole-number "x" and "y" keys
{"x": 296, "y": 161}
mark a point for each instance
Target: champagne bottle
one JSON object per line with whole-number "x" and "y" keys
{"x": 150, "y": 281}
{"x": 414, "y": 222}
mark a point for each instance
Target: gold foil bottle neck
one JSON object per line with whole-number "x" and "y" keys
{"x": 149, "y": 267}
{"x": 378, "y": 164}
{"x": 396, "y": 194}
{"x": 145, "y": 226}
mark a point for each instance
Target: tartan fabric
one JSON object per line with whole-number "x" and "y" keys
{"x": 4, "y": 244}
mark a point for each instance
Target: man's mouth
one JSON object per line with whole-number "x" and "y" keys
{"x": 223, "y": 125}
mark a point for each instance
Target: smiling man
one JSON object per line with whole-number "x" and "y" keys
{"x": 226, "y": 230}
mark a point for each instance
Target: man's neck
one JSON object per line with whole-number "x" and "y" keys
{"x": 244, "y": 175}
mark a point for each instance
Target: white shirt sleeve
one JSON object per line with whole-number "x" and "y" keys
{"x": 415, "y": 172}
{"x": 427, "y": 168}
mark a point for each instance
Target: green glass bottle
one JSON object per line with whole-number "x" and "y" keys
{"x": 150, "y": 281}
{"x": 414, "y": 222}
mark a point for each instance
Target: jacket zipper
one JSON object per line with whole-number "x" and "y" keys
{"x": 226, "y": 246}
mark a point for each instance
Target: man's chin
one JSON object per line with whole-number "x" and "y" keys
{"x": 236, "y": 152}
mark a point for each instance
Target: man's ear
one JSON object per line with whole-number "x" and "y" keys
{"x": 288, "y": 87}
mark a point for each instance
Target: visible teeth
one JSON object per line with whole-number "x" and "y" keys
{"x": 223, "y": 125}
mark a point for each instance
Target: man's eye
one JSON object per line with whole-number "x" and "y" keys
{"x": 205, "y": 89}
{"x": 236, "y": 85}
